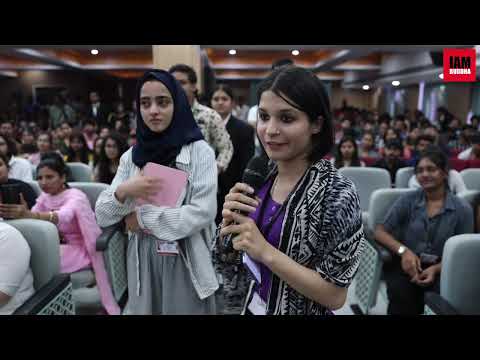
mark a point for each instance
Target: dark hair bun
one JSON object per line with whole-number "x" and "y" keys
{"x": 54, "y": 161}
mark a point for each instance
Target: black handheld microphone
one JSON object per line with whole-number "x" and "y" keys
{"x": 254, "y": 176}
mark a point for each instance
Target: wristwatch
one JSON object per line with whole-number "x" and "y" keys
{"x": 401, "y": 250}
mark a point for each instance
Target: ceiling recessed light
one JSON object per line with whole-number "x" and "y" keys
{"x": 366, "y": 87}
{"x": 441, "y": 76}
{"x": 395, "y": 83}
{"x": 232, "y": 52}
{"x": 295, "y": 52}
{"x": 94, "y": 52}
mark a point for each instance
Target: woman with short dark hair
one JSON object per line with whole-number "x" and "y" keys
{"x": 303, "y": 234}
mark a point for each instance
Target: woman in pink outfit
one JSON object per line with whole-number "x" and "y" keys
{"x": 69, "y": 209}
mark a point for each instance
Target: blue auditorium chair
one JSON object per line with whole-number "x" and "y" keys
{"x": 53, "y": 290}
{"x": 460, "y": 278}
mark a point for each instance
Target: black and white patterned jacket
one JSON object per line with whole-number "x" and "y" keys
{"x": 322, "y": 230}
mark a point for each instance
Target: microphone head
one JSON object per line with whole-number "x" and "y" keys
{"x": 256, "y": 172}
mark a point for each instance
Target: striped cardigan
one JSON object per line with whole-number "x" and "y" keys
{"x": 191, "y": 224}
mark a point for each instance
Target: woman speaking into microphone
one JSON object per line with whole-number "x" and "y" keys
{"x": 169, "y": 263}
{"x": 303, "y": 236}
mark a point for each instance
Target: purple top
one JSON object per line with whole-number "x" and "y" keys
{"x": 273, "y": 236}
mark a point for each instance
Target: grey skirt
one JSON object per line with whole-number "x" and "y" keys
{"x": 166, "y": 286}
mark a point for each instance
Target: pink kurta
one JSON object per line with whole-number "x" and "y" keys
{"x": 78, "y": 227}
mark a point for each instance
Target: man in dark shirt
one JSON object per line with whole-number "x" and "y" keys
{"x": 422, "y": 142}
{"x": 392, "y": 161}
{"x": 26, "y": 190}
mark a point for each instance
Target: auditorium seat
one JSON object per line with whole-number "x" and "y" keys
{"x": 459, "y": 282}
{"x": 458, "y": 164}
{"x": 91, "y": 189}
{"x": 380, "y": 203}
{"x": 402, "y": 177}
{"x": 367, "y": 279}
{"x": 471, "y": 177}
{"x": 80, "y": 172}
{"x": 112, "y": 243}
{"x": 367, "y": 180}
{"x": 473, "y": 164}
{"x": 53, "y": 291}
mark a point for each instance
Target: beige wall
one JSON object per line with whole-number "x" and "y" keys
{"x": 165, "y": 56}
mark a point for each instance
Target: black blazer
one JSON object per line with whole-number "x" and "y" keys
{"x": 242, "y": 136}
{"x": 102, "y": 115}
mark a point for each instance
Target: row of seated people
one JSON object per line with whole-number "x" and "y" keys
{"x": 103, "y": 159}
{"x": 70, "y": 210}
{"x": 347, "y": 155}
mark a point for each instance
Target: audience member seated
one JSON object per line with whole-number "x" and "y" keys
{"x": 392, "y": 160}
{"x": 422, "y": 142}
{"x": 454, "y": 180}
{"x": 90, "y": 134}
{"x": 62, "y": 140}
{"x": 44, "y": 145}
{"x": 347, "y": 154}
{"x": 69, "y": 209}
{"x": 112, "y": 149}
{"x": 120, "y": 119}
{"x": 98, "y": 144}
{"x": 400, "y": 126}
{"x": 28, "y": 147}
{"x": 8, "y": 129}
{"x": 19, "y": 168}
{"x": 132, "y": 138}
{"x": 104, "y": 132}
{"x": 382, "y": 130}
{"x": 26, "y": 191}
{"x": 473, "y": 152}
{"x": 16, "y": 278}
{"x": 415, "y": 229}
{"x": 438, "y": 141}
{"x": 367, "y": 146}
{"x": 78, "y": 149}
{"x": 346, "y": 130}
{"x": 390, "y": 135}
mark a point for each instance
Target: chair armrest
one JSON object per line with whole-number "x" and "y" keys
{"x": 60, "y": 285}
{"x": 438, "y": 305}
{"x": 107, "y": 234}
{"x": 385, "y": 254}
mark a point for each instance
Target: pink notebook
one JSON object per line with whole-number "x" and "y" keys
{"x": 174, "y": 183}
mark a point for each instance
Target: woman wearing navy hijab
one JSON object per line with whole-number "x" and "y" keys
{"x": 169, "y": 264}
